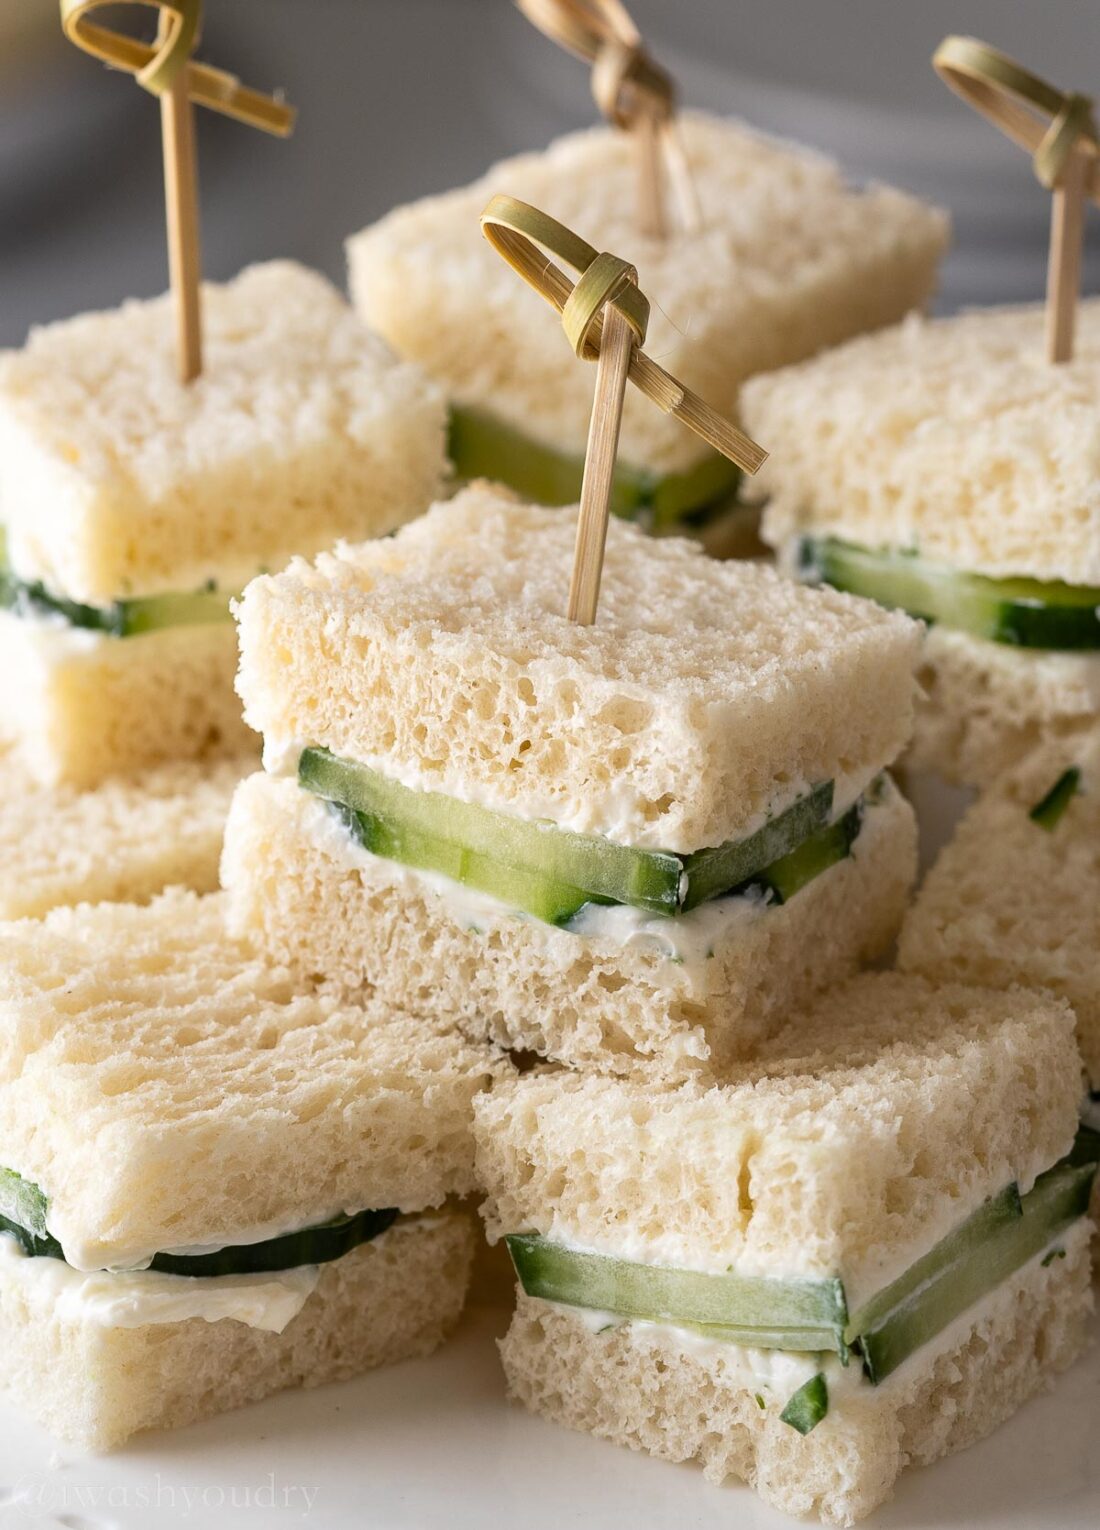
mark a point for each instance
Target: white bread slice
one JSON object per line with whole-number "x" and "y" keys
{"x": 80, "y": 707}
{"x": 953, "y": 436}
{"x": 985, "y": 706}
{"x": 1008, "y": 901}
{"x": 117, "y": 480}
{"x": 636, "y": 1386}
{"x": 166, "y": 1089}
{"x": 705, "y": 695}
{"x": 392, "y": 1299}
{"x": 855, "y": 1139}
{"x": 304, "y": 891}
{"x": 125, "y": 841}
{"x": 790, "y": 259}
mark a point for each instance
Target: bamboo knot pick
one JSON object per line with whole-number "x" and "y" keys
{"x": 632, "y": 91}
{"x": 605, "y": 317}
{"x": 165, "y": 69}
{"x": 1058, "y": 129}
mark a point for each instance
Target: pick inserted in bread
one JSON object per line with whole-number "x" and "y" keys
{"x": 443, "y": 656}
{"x": 165, "y": 1089}
{"x": 789, "y": 259}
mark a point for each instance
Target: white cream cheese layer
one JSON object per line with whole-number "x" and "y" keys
{"x": 614, "y": 816}
{"x": 132, "y": 1299}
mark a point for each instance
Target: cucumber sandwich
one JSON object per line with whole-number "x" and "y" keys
{"x": 790, "y": 259}
{"x": 863, "y": 1249}
{"x": 1014, "y": 897}
{"x": 214, "y": 1184}
{"x": 668, "y": 826}
{"x": 944, "y": 468}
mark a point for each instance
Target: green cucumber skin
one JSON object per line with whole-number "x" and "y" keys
{"x": 481, "y": 446}
{"x": 122, "y": 618}
{"x": 1049, "y": 812}
{"x": 809, "y": 1405}
{"x": 1025, "y": 613}
{"x": 802, "y": 1314}
{"x": 552, "y": 873}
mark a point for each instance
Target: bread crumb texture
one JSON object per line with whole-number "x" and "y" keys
{"x": 393, "y": 1299}
{"x": 118, "y": 480}
{"x": 953, "y": 437}
{"x": 636, "y": 1387}
{"x": 303, "y": 891}
{"x": 209, "y": 1092}
{"x": 1008, "y": 901}
{"x": 703, "y": 691}
{"x": 983, "y": 707}
{"x": 81, "y": 707}
{"x": 790, "y": 259}
{"x": 124, "y": 841}
{"x": 857, "y": 1136}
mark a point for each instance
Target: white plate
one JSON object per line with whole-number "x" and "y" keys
{"x": 433, "y": 1445}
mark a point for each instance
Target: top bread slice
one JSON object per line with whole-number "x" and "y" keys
{"x": 854, "y": 1140}
{"x": 165, "y": 1089}
{"x": 118, "y": 480}
{"x": 705, "y": 695}
{"x": 954, "y": 438}
{"x": 1009, "y": 901}
{"x": 789, "y": 259}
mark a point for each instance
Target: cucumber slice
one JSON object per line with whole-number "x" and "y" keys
{"x": 816, "y": 855}
{"x": 1048, "y": 812}
{"x": 22, "y": 1202}
{"x": 968, "y": 1264}
{"x": 1029, "y": 613}
{"x": 122, "y": 618}
{"x": 481, "y": 446}
{"x": 551, "y": 872}
{"x": 711, "y": 872}
{"x": 749, "y": 1310}
{"x": 808, "y": 1406}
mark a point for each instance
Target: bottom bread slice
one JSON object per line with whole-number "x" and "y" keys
{"x": 637, "y": 1385}
{"x": 310, "y": 896}
{"x": 124, "y": 841}
{"x": 392, "y": 1299}
{"x": 987, "y": 705}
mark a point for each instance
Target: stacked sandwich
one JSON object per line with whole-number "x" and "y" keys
{"x": 804, "y": 1240}
{"x": 789, "y": 259}
{"x": 215, "y": 1183}
{"x": 947, "y": 469}
{"x": 133, "y": 508}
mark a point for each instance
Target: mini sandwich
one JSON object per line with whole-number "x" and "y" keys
{"x": 124, "y": 841}
{"x": 633, "y": 843}
{"x": 862, "y": 1251}
{"x": 1015, "y": 896}
{"x": 214, "y": 1187}
{"x": 948, "y": 469}
{"x": 790, "y": 259}
{"x": 134, "y": 507}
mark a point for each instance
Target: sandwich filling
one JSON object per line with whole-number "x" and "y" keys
{"x": 809, "y": 1317}
{"x": 482, "y": 446}
{"x": 1025, "y": 613}
{"x": 263, "y": 1284}
{"x": 567, "y": 879}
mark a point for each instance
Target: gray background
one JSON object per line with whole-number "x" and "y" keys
{"x": 403, "y": 97}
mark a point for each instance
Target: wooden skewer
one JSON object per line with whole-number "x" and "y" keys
{"x": 612, "y": 370}
{"x": 1067, "y": 233}
{"x": 177, "y": 119}
{"x": 652, "y": 217}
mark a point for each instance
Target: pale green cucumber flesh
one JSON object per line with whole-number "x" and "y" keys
{"x": 309, "y": 1245}
{"x": 22, "y": 1202}
{"x": 552, "y": 872}
{"x": 808, "y": 1406}
{"x": 1048, "y": 812}
{"x": 1028, "y": 613}
{"x": 811, "y": 859}
{"x": 766, "y": 1314}
{"x": 122, "y": 618}
{"x": 482, "y": 446}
